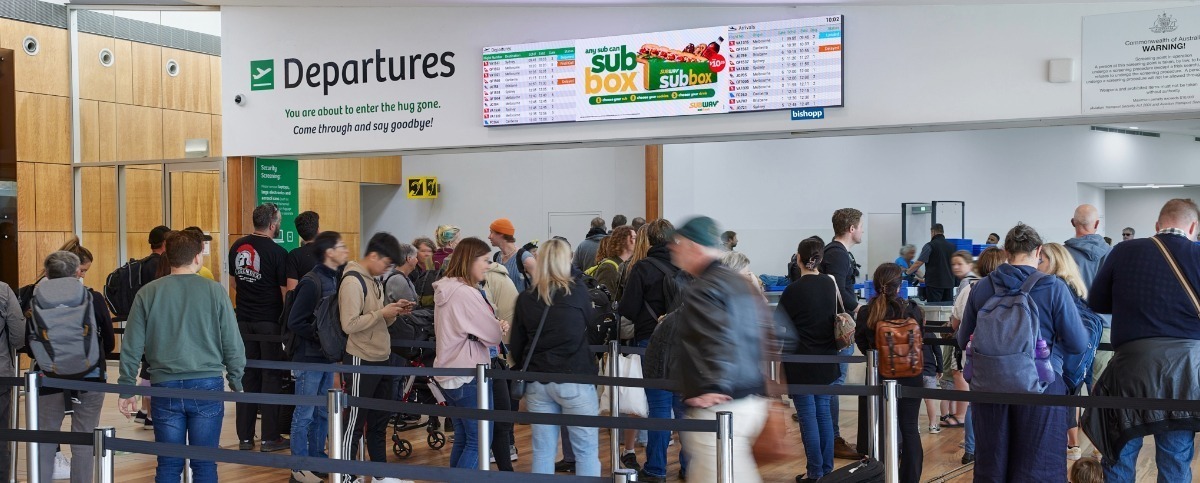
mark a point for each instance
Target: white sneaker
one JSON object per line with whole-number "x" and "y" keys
{"x": 512, "y": 452}
{"x": 935, "y": 429}
{"x": 62, "y": 466}
{"x": 1074, "y": 453}
{"x": 389, "y": 480}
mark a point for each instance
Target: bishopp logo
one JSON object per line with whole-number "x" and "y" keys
{"x": 262, "y": 75}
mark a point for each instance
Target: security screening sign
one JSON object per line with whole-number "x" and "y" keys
{"x": 278, "y": 181}
{"x": 423, "y": 188}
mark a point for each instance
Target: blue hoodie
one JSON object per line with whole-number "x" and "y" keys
{"x": 1061, "y": 326}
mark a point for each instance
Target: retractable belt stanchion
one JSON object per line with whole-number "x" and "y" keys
{"x": 872, "y": 407}
{"x": 624, "y": 475}
{"x": 485, "y": 435}
{"x": 103, "y": 455}
{"x": 334, "y": 406}
{"x": 14, "y": 420}
{"x": 891, "y": 433}
{"x": 724, "y": 447}
{"x": 614, "y": 403}
{"x": 32, "y": 385}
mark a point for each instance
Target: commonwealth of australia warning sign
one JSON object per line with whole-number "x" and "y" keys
{"x": 423, "y": 187}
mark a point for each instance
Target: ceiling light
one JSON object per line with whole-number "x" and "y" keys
{"x": 1153, "y": 186}
{"x": 1133, "y": 127}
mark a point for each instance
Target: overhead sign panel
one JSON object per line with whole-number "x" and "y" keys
{"x": 1144, "y": 61}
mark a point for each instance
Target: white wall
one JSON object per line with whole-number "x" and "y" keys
{"x": 523, "y": 186}
{"x": 774, "y": 193}
{"x": 1139, "y": 208}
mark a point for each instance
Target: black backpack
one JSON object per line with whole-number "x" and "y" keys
{"x": 290, "y": 339}
{"x": 122, "y": 286}
{"x": 606, "y": 325}
{"x": 674, "y": 282}
{"x": 328, "y": 321}
{"x": 520, "y": 265}
{"x": 25, "y": 297}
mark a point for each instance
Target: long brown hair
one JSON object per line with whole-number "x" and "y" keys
{"x": 989, "y": 260}
{"x": 459, "y": 264}
{"x": 613, "y": 244}
{"x": 887, "y": 281}
{"x": 649, "y": 235}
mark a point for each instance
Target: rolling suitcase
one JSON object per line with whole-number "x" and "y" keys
{"x": 867, "y": 470}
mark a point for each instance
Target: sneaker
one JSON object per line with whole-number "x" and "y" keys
{"x": 246, "y": 445}
{"x": 62, "y": 466}
{"x": 1074, "y": 453}
{"x": 389, "y": 480}
{"x": 305, "y": 476}
{"x": 148, "y": 425}
{"x": 564, "y": 466}
{"x": 968, "y": 458}
{"x": 512, "y": 452}
{"x": 935, "y": 429}
{"x": 844, "y": 450}
{"x": 805, "y": 479}
{"x": 649, "y": 478}
{"x": 629, "y": 460}
{"x": 273, "y": 446}
{"x": 139, "y": 418}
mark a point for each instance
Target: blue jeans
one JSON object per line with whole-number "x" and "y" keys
{"x": 187, "y": 421}
{"x": 465, "y": 453}
{"x": 574, "y": 399}
{"x": 662, "y": 404}
{"x": 816, "y": 431}
{"x": 310, "y": 424}
{"x": 834, "y": 409}
{"x": 1172, "y": 455}
{"x": 969, "y": 433}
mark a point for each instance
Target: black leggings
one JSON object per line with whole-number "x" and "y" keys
{"x": 912, "y": 454}
{"x": 504, "y": 431}
{"x": 368, "y": 386}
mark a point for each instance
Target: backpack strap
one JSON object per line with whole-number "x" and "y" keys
{"x": 1187, "y": 287}
{"x": 1031, "y": 281}
{"x": 361, "y": 281}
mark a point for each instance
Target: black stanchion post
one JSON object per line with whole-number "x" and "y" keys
{"x": 334, "y": 405}
{"x": 624, "y": 475}
{"x": 103, "y": 455}
{"x": 872, "y": 407}
{"x": 32, "y": 385}
{"x": 724, "y": 447}
{"x": 485, "y": 435}
{"x": 14, "y": 421}
{"x": 891, "y": 433}
{"x": 614, "y": 403}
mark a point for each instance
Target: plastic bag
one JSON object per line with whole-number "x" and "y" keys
{"x": 632, "y": 400}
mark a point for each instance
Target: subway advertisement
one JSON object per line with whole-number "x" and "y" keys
{"x": 747, "y": 67}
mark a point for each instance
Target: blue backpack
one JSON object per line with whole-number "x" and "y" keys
{"x": 1077, "y": 368}
{"x": 1004, "y": 345}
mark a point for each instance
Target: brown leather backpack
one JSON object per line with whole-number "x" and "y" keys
{"x": 899, "y": 345}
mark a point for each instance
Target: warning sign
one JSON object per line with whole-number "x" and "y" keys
{"x": 423, "y": 188}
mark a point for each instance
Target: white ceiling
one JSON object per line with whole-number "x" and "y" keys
{"x": 614, "y": 3}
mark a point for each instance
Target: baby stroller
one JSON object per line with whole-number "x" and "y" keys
{"x": 415, "y": 389}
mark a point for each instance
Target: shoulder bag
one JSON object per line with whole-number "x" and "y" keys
{"x": 516, "y": 388}
{"x": 1187, "y": 287}
{"x": 771, "y": 444}
{"x": 843, "y": 324}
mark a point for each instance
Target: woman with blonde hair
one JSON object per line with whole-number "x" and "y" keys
{"x": 550, "y": 335}
{"x": 1056, "y": 260}
{"x": 446, "y": 238}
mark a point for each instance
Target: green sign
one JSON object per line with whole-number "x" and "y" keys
{"x": 262, "y": 75}
{"x": 278, "y": 181}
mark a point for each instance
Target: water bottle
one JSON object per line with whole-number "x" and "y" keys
{"x": 1042, "y": 352}
{"x": 967, "y": 354}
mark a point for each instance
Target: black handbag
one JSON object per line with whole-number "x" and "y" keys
{"x": 516, "y": 387}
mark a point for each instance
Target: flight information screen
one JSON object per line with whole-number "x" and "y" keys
{"x": 733, "y": 68}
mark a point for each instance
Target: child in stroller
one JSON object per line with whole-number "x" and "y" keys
{"x": 413, "y": 346}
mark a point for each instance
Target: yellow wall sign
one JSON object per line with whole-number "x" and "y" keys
{"x": 423, "y": 188}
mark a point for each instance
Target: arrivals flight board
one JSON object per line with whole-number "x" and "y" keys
{"x": 735, "y": 68}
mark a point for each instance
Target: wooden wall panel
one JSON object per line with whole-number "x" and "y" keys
{"x": 354, "y": 242}
{"x": 195, "y": 200}
{"x": 349, "y": 207}
{"x": 191, "y": 89}
{"x": 214, "y": 84}
{"x": 27, "y": 261}
{"x": 330, "y": 169}
{"x": 654, "y": 156}
{"x": 143, "y": 200}
{"x": 44, "y": 130}
{"x": 179, "y": 126}
{"x": 322, "y": 197}
{"x": 53, "y": 205}
{"x": 44, "y": 73}
{"x": 147, "y": 72}
{"x": 139, "y": 133}
{"x": 93, "y": 194}
{"x": 215, "y": 148}
{"x": 107, "y": 135}
{"x": 137, "y": 244}
{"x": 47, "y": 242}
{"x": 123, "y": 71}
{"x": 96, "y": 81}
{"x": 108, "y": 199}
{"x": 381, "y": 170}
{"x": 89, "y": 131}
{"x": 26, "y": 194}
{"x": 104, "y": 248}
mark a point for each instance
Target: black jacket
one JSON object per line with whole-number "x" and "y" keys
{"x": 300, "y": 319}
{"x": 720, "y": 347}
{"x": 563, "y": 345}
{"x": 645, "y": 287}
{"x": 838, "y": 261}
{"x": 937, "y": 269}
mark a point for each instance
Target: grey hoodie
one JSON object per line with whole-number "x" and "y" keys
{"x": 1089, "y": 252}
{"x": 14, "y": 327}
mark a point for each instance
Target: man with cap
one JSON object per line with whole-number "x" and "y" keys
{"x": 719, "y": 352}
{"x": 150, "y": 266}
{"x": 520, "y": 263}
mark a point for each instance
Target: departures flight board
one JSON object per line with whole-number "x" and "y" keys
{"x": 735, "y": 68}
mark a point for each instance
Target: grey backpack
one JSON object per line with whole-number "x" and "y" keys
{"x": 1004, "y": 357}
{"x": 62, "y": 332}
